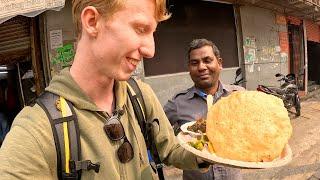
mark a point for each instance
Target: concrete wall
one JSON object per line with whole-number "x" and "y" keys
{"x": 59, "y": 20}
{"x": 257, "y": 23}
{"x": 165, "y": 86}
{"x": 259, "y": 26}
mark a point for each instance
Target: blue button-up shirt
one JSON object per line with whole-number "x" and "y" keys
{"x": 190, "y": 105}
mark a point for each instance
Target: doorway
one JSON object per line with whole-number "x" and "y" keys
{"x": 314, "y": 62}
{"x": 9, "y": 98}
{"x": 19, "y": 68}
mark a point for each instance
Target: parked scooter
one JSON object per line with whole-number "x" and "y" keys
{"x": 288, "y": 92}
{"x": 238, "y": 81}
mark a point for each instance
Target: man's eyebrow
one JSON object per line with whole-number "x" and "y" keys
{"x": 145, "y": 24}
{"x": 194, "y": 59}
{"x": 207, "y": 57}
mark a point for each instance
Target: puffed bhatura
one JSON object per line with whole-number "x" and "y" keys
{"x": 248, "y": 126}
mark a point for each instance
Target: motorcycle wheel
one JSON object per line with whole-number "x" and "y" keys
{"x": 297, "y": 105}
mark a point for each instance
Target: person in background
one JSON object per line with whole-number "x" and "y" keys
{"x": 204, "y": 66}
{"x": 4, "y": 127}
{"x": 113, "y": 38}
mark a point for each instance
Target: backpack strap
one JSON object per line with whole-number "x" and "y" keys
{"x": 65, "y": 129}
{"x": 138, "y": 104}
{"x": 139, "y": 107}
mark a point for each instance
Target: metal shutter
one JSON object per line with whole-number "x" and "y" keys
{"x": 14, "y": 40}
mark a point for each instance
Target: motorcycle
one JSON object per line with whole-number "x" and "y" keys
{"x": 288, "y": 92}
{"x": 238, "y": 81}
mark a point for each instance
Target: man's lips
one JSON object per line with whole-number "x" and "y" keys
{"x": 204, "y": 76}
{"x": 133, "y": 61}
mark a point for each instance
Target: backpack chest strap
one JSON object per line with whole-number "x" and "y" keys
{"x": 65, "y": 129}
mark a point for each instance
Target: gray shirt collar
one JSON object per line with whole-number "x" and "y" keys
{"x": 197, "y": 92}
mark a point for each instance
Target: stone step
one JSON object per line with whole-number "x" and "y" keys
{"x": 313, "y": 87}
{"x": 310, "y": 83}
{"x": 315, "y": 93}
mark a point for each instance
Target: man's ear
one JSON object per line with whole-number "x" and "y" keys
{"x": 89, "y": 19}
{"x": 220, "y": 62}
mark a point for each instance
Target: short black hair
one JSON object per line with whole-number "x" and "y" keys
{"x": 199, "y": 43}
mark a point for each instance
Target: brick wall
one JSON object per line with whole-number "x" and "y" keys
{"x": 294, "y": 20}
{"x": 313, "y": 31}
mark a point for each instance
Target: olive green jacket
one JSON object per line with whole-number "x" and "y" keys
{"x": 28, "y": 151}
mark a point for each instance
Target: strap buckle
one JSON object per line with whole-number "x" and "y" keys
{"x": 158, "y": 166}
{"x": 155, "y": 167}
{"x": 85, "y": 165}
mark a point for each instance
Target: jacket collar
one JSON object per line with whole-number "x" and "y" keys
{"x": 64, "y": 85}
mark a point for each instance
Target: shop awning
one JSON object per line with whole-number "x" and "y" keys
{"x": 29, "y": 8}
{"x": 306, "y": 9}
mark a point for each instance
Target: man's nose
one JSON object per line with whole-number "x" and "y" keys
{"x": 202, "y": 66}
{"x": 147, "y": 48}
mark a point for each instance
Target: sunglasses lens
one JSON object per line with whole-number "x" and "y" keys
{"x": 114, "y": 129}
{"x": 125, "y": 152}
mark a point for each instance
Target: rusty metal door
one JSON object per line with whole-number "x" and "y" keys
{"x": 297, "y": 59}
{"x": 193, "y": 19}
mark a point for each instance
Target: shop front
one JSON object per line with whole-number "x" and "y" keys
{"x": 21, "y": 65}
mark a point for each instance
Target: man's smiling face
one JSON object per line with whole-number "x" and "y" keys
{"x": 204, "y": 67}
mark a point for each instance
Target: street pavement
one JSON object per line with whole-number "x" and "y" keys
{"x": 305, "y": 145}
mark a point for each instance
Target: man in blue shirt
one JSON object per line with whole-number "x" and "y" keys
{"x": 204, "y": 65}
